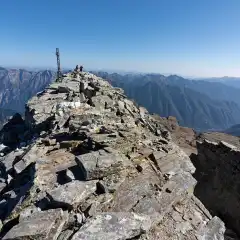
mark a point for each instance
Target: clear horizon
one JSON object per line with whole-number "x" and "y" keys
{"x": 187, "y": 38}
{"x": 119, "y": 72}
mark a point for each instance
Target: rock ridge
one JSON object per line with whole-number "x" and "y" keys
{"x": 87, "y": 163}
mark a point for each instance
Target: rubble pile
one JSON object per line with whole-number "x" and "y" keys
{"x": 87, "y": 163}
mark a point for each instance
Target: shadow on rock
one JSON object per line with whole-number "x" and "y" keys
{"x": 14, "y": 133}
{"x": 218, "y": 176}
{"x": 16, "y": 193}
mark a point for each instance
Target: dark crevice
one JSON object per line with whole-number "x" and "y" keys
{"x": 77, "y": 174}
{"x": 215, "y": 183}
{"x": 119, "y": 113}
{"x": 21, "y": 179}
{"x": 90, "y": 102}
{"x": 66, "y": 136}
{"x": 152, "y": 158}
{"x": 139, "y": 168}
{"x": 66, "y": 124}
{"x": 142, "y": 197}
{"x": 62, "y": 178}
{"x": 101, "y": 189}
{"x": 138, "y": 236}
{"x": 86, "y": 211}
{"x": 17, "y": 191}
{"x": 48, "y": 203}
{"x": 8, "y": 226}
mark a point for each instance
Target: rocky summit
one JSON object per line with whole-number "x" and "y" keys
{"x": 87, "y": 163}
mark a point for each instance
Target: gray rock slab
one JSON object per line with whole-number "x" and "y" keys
{"x": 9, "y": 159}
{"x": 69, "y": 86}
{"x": 114, "y": 226}
{"x": 19, "y": 166}
{"x": 31, "y": 156}
{"x": 121, "y": 105}
{"x": 66, "y": 235}
{"x": 134, "y": 189}
{"x": 71, "y": 193}
{"x": 63, "y": 89}
{"x": 28, "y": 212}
{"x": 148, "y": 205}
{"x": 142, "y": 112}
{"x": 113, "y": 182}
{"x": 41, "y": 225}
{"x": 95, "y": 165}
{"x": 171, "y": 192}
{"x": 56, "y": 161}
{"x": 102, "y": 102}
{"x": 3, "y": 148}
{"x": 214, "y": 230}
{"x": 172, "y": 162}
{"x": 77, "y": 121}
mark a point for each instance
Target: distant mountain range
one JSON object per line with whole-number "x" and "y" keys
{"x": 18, "y": 85}
{"x": 234, "y": 130}
{"x": 201, "y": 105}
{"x": 208, "y": 104}
{"x": 230, "y": 81}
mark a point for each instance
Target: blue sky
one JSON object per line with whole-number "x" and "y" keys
{"x": 186, "y": 37}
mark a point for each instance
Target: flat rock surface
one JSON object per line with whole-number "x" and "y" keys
{"x": 115, "y": 226}
{"x": 101, "y": 164}
{"x": 218, "y": 137}
{"x": 72, "y": 193}
{"x": 42, "y": 225}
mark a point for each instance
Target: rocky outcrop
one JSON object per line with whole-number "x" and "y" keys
{"x": 184, "y": 137}
{"x": 218, "y": 137}
{"x": 218, "y": 178}
{"x": 90, "y": 164}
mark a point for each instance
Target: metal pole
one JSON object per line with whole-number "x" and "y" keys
{"x": 58, "y": 64}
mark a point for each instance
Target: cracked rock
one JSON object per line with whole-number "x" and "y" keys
{"x": 114, "y": 226}
{"x": 72, "y": 193}
{"x": 40, "y": 225}
{"x": 95, "y": 166}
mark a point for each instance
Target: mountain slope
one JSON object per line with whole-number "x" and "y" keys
{"x": 233, "y": 130}
{"x": 18, "y": 85}
{"x": 215, "y": 90}
{"x": 230, "y": 81}
{"x": 4, "y": 115}
{"x": 167, "y": 97}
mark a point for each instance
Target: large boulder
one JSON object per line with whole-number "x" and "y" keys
{"x": 114, "y": 226}
{"x": 96, "y": 165}
{"x": 39, "y": 225}
{"x": 71, "y": 194}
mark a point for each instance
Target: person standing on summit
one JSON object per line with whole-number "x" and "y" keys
{"x": 81, "y": 68}
{"x": 76, "y": 69}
